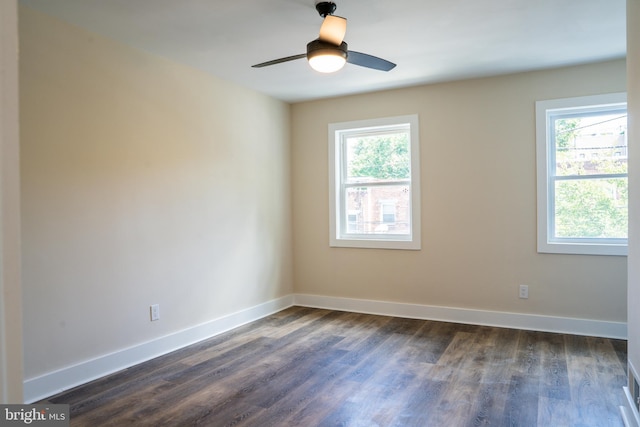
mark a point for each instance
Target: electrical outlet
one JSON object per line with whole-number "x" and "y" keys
{"x": 524, "y": 291}
{"x": 155, "y": 312}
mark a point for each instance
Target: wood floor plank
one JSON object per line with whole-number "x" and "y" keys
{"x": 489, "y": 404}
{"x": 303, "y": 393}
{"x": 555, "y": 376}
{"x": 556, "y": 412}
{"x": 596, "y": 407}
{"x": 521, "y": 407}
{"x": 432, "y": 340}
{"x": 313, "y": 367}
{"x": 421, "y": 404}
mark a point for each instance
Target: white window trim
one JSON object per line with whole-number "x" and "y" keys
{"x": 543, "y": 158}
{"x": 413, "y": 240}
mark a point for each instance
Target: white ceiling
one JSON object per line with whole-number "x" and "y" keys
{"x": 430, "y": 40}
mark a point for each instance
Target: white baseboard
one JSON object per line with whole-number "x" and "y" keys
{"x": 54, "y": 382}
{"x": 532, "y": 322}
{"x": 51, "y": 383}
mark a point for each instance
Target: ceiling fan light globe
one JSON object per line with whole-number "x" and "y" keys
{"x": 327, "y": 63}
{"x": 326, "y": 57}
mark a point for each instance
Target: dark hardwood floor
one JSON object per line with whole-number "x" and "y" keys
{"x": 310, "y": 367}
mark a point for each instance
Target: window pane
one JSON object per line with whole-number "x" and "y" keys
{"x": 378, "y": 157}
{"x": 591, "y": 208}
{"x": 378, "y": 209}
{"x": 591, "y": 144}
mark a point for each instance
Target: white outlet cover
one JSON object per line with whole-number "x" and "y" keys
{"x": 155, "y": 312}
{"x": 524, "y": 291}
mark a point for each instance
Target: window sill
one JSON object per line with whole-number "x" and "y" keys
{"x": 376, "y": 244}
{"x": 583, "y": 249}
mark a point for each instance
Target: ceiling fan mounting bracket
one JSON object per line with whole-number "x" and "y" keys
{"x": 325, "y": 8}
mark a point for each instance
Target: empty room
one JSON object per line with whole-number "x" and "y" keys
{"x": 201, "y": 225}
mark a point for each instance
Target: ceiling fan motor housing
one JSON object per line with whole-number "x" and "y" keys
{"x": 318, "y": 47}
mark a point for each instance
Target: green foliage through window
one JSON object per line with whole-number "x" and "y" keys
{"x": 591, "y": 208}
{"x": 381, "y": 157}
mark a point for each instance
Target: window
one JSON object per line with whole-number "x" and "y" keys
{"x": 388, "y": 211}
{"x": 374, "y": 183}
{"x": 582, "y": 175}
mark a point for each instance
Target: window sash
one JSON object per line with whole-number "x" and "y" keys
{"x": 345, "y": 232}
{"x": 553, "y": 215}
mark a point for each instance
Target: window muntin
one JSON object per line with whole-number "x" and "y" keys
{"x": 375, "y": 183}
{"x": 582, "y": 175}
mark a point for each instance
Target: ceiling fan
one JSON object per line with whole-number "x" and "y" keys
{"x": 329, "y": 52}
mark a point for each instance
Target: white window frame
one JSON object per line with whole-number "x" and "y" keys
{"x": 339, "y": 235}
{"x": 545, "y": 158}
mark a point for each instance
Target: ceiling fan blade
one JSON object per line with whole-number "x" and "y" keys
{"x": 279, "y": 61}
{"x": 333, "y": 29}
{"x": 369, "y": 61}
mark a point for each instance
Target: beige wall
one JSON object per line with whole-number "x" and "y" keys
{"x": 633, "y": 71}
{"x": 143, "y": 181}
{"x": 10, "y": 290}
{"x": 478, "y": 202}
